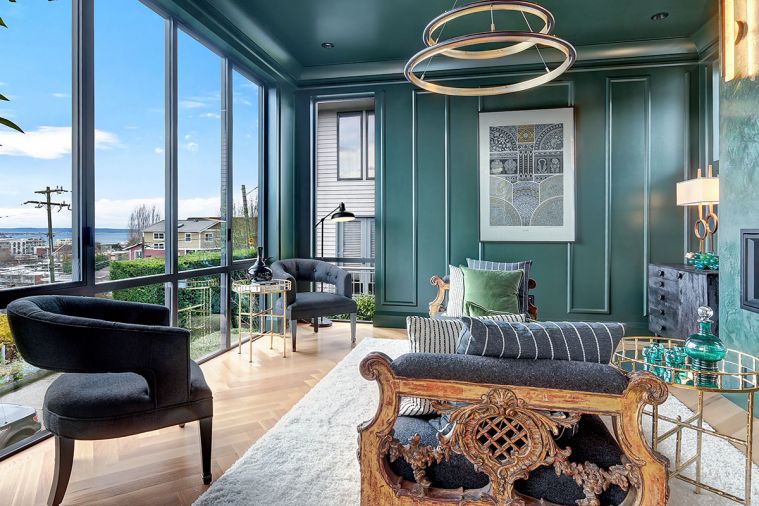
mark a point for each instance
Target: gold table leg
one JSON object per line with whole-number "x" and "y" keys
{"x": 239, "y": 322}
{"x": 283, "y": 327}
{"x": 749, "y": 446}
{"x": 699, "y": 439}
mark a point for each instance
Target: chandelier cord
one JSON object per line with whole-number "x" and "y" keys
{"x": 440, "y": 35}
{"x": 545, "y": 65}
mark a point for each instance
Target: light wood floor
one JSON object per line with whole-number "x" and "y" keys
{"x": 163, "y": 467}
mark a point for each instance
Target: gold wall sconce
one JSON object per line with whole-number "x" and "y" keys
{"x": 702, "y": 192}
{"x": 740, "y": 38}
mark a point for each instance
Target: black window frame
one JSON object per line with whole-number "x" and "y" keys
{"x": 83, "y": 177}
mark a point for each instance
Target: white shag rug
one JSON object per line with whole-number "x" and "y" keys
{"x": 309, "y": 456}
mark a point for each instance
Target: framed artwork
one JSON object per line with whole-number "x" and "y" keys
{"x": 527, "y": 176}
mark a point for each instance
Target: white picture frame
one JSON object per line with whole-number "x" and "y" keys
{"x": 527, "y": 175}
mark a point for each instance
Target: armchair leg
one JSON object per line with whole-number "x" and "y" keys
{"x": 316, "y": 325}
{"x": 64, "y": 460}
{"x": 353, "y": 328}
{"x": 293, "y": 331}
{"x": 206, "y": 425}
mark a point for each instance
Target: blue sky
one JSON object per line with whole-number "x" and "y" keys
{"x": 129, "y": 114}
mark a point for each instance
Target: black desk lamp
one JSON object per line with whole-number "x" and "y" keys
{"x": 338, "y": 214}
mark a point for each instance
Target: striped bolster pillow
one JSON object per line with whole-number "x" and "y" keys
{"x": 579, "y": 341}
{"x": 428, "y": 335}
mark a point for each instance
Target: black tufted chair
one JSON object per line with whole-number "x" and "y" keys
{"x": 126, "y": 372}
{"x": 312, "y": 305}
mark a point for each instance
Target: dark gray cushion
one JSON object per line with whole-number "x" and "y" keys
{"x": 526, "y": 265}
{"x": 577, "y": 341}
{"x": 313, "y": 304}
{"x": 592, "y": 442}
{"x": 100, "y": 406}
{"x": 562, "y": 374}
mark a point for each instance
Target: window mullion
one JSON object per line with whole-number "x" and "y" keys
{"x": 171, "y": 170}
{"x": 227, "y": 198}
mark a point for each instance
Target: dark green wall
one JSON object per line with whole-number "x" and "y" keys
{"x": 637, "y": 134}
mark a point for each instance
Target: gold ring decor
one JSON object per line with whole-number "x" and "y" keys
{"x": 542, "y": 39}
{"x": 493, "y": 5}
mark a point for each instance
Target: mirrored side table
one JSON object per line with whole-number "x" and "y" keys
{"x": 260, "y": 298}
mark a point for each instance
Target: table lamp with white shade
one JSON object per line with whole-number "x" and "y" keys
{"x": 702, "y": 192}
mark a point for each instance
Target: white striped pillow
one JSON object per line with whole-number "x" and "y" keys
{"x": 439, "y": 335}
{"x": 455, "y": 307}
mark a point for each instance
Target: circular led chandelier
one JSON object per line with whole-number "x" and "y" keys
{"x": 517, "y": 41}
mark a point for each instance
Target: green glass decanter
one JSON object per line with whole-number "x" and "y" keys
{"x": 705, "y": 350}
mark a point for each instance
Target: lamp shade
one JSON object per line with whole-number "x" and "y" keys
{"x": 342, "y": 215}
{"x": 699, "y": 191}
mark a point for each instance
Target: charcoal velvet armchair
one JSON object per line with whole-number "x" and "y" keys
{"x": 312, "y": 305}
{"x": 125, "y": 371}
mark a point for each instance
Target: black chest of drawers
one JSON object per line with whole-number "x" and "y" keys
{"x": 675, "y": 292}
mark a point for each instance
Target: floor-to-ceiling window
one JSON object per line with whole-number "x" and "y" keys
{"x": 130, "y": 110}
{"x": 38, "y": 199}
{"x": 344, "y": 172}
{"x": 143, "y": 168}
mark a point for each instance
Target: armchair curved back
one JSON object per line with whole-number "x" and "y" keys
{"x": 90, "y": 335}
{"x": 311, "y": 270}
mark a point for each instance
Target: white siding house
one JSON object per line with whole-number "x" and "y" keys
{"x": 346, "y": 177}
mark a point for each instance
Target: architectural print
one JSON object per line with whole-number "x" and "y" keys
{"x": 527, "y": 175}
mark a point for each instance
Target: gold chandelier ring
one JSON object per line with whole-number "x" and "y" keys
{"x": 570, "y": 55}
{"x": 496, "y": 5}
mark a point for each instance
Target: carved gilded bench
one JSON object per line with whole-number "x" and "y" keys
{"x": 508, "y": 430}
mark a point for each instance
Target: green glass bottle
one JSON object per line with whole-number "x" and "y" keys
{"x": 705, "y": 350}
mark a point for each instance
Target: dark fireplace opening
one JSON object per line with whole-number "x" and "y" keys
{"x": 750, "y": 269}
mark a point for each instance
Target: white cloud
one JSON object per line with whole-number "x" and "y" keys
{"x": 48, "y": 142}
{"x": 159, "y": 151}
{"x": 200, "y": 206}
{"x": 191, "y": 104}
{"x": 60, "y": 95}
{"x": 210, "y": 115}
{"x": 191, "y": 146}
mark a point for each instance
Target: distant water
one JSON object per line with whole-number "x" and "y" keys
{"x": 102, "y": 235}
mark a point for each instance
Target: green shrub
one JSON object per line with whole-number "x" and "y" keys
{"x": 366, "y": 308}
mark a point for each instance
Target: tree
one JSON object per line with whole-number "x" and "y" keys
{"x": 141, "y": 218}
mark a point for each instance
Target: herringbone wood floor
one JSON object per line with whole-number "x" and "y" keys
{"x": 163, "y": 467}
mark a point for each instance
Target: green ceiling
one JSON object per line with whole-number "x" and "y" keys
{"x": 382, "y": 30}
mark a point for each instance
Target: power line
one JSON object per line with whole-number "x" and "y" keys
{"x": 49, "y": 205}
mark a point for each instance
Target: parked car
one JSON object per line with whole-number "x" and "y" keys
{"x": 17, "y": 423}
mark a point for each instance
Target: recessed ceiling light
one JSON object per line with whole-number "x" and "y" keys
{"x": 327, "y": 45}
{"x": 659, "y": 16}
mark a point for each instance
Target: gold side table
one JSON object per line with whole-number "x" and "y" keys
{"x": 738, "y": 373}
{"x": 262, "y": 309}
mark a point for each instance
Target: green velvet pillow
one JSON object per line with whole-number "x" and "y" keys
{"x": 491, "y": 290}
{"x": 475, "y": 310}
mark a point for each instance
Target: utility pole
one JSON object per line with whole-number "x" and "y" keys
{"x": 49, "y": 204}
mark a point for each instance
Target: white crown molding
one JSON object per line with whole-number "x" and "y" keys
{"x": 597, "y": 53}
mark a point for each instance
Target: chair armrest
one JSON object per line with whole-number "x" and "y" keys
{"x": 116, "y": 310}
{"x": 442, "y": 287}
{"x": 278, "y": 272}
{"x": 343, "y": 282}
{"x": 85, "y": 345}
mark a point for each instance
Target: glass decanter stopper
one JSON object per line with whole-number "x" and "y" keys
{"x": 705, "y": 350}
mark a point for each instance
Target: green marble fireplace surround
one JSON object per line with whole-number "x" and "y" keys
{"x": 739, "y": 205}
{"x": 639, "y": 130}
